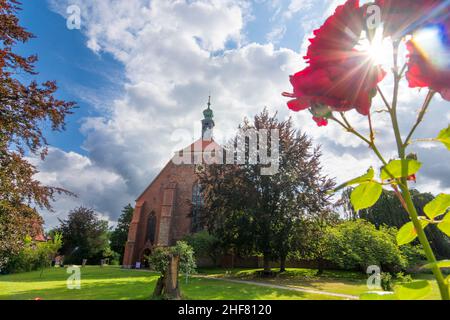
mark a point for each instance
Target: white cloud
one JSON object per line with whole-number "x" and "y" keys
{"x": 94, "y": 186}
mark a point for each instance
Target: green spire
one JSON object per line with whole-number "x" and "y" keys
{"x": 208, "y": 113}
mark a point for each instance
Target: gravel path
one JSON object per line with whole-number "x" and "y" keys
{"x": 268, "y": 285}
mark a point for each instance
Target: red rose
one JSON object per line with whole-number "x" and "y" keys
{"x": 345, "y": 85}
{"x": 338, "y": 77}
{"x": 338, "y": 35}
{"x": 402, "y": 17}
{"x": 430, "y": 69}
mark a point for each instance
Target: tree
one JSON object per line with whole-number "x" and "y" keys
{"x": 119, "y": 236}
{"x": 170, "y": 261}
{"x": 358, "y": 244}
{"x": 389, "y": 211}
{"x": 251, "y": 212}
{"x": 16, "y": 223}
{"x": 85, "y": 236}
{"x": 310, "y": 242}
{"x": 24, "y": 108}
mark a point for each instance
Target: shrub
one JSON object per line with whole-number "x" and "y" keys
{"x": 159, "y": 259}
{"x": 387, "y": 283}
{"x": 356, "y": 245}
{"x": 35, "y": 255}
{"x": 204, "y": 245}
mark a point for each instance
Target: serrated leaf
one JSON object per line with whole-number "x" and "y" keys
{"x": 378, "y": 295}
{"x": 444, "y": 226}
{"x": 408, "y": 233}
{"x": 395, "y": 168}
{"x": 444, "y": 137}
{"x": 365, "y": 195}
{"x": 364, "y": 178}
{"x": 439, "y": 264}
{"x": 413, "y": 290}
{"x": 437, "y": 206}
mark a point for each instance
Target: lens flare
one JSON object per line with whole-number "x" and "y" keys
{"x": 378, "y": 50}
{"x": 433, "y": 45}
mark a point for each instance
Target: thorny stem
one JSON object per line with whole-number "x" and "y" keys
{"x": 372, "y": 133}
{"x": 350, "y": 129}
{"x": 422, "y": 113}
{"x": 384, "y": 98}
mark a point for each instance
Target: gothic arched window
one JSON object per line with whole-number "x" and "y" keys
{"x": 197, "y": 203}
{"x": 151, "y": 227}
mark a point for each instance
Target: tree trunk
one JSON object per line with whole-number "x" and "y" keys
{"x": 171, "y": 287}
{"x": 266, "y": 264}
{"x": 159, "y": 287}
{"x": 320, "y": 266}
{"x": 283, "y": 264}
{"x": 167, "y": 285}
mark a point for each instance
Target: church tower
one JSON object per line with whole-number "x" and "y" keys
{"x": 208, "y": 123}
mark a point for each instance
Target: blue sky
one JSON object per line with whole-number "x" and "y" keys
{"x": 141, "y": 72}
{"x": 64, "y": 57}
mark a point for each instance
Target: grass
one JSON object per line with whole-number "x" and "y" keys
{"x": 113, "y": 283}
{"x": 343, "y": 282}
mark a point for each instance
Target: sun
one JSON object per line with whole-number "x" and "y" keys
{"x": 379, "y": 49}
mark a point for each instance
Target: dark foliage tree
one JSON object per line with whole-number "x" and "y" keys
{"x": 389, "y": 211}
{"x": 119, "y": 236}
{"x": 24, "y": 109}
{"x": 85, "y": 236}
{"x": 254, "y": 213}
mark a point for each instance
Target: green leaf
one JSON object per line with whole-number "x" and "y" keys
{"x": 413, "y": 290}
{"x": 378, "y": 295}
{"x": 408, "y": 233}
{"x": 439, "y": 264}
{"x": 364, "y": 178}
{"x": 366, "y": 195}
{"x": 444, "y": 226}
{"x": 444, "y": 137}
{"x": 438, "y": 206}
{"x": 395, "y": 168}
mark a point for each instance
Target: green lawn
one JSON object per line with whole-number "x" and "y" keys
{"x": 343, "y": 282}
{"x": 113, "y": 283}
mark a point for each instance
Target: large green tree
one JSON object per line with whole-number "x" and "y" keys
{"x": 24, "y": 109}
{"x": 85, "y": 236}
{"x": 255, "y": 213}
{"x": 119, "y": 235}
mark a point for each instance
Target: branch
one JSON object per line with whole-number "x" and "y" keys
{"x": 422, "y": 113}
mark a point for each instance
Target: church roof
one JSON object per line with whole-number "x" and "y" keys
{"x": 201, "y": 145}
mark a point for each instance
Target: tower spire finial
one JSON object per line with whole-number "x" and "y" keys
{"x": 208, "y": 122}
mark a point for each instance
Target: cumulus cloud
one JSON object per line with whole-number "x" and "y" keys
{"x": 93, "y": 185}
{"x": 174, "y": 54}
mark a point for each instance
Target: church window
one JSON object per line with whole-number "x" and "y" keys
{"x": 151, "y": 228}
{"x": 197, "y": 203}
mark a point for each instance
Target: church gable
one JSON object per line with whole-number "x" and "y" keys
{"x": 163, "y": 211}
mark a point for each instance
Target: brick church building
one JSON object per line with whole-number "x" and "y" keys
{"x": 166, "y": 211}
